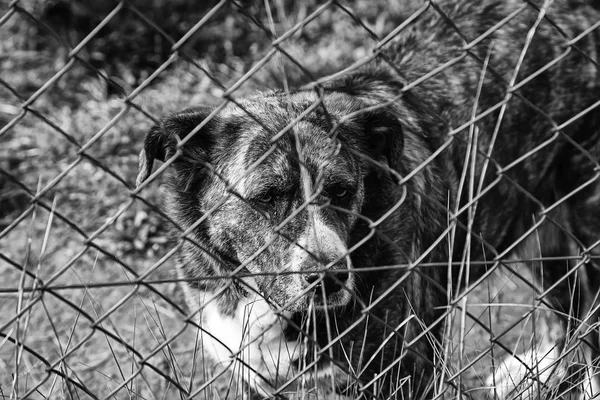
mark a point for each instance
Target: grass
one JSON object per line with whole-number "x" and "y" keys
{"x": 75, "y": 151}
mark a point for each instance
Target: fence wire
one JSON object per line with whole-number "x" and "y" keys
{"x": 452, "y": 254}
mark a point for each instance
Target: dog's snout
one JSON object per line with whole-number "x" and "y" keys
{"x": 332, "y": 281}
{"x": 311, "y": 277}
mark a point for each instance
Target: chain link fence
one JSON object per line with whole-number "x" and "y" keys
{"x": 92, "y": 294}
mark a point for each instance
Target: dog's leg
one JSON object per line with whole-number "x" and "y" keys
{"x": 525, "y": 375}
{"x": 590, "y": 322}
{"x": 542, "y": 368}
{"x": 586, "y": 225}
{"x": 589, "y": 326}
{"x": 591, "y": 381}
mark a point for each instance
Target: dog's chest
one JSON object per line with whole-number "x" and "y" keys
{"x": 253, "y": 335}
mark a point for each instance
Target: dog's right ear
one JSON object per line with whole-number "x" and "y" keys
{"x": 162, "y": 140}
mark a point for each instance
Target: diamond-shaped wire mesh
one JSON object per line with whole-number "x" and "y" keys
{"x": 376, "y": 199}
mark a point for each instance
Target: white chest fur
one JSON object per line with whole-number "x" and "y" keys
{"x": 251, "y": 342}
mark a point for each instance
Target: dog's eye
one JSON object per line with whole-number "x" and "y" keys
{"x": 267, "y": 197}
{"x": 341, "y": 193}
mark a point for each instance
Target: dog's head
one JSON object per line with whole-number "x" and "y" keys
{"x": 274, "y": 186}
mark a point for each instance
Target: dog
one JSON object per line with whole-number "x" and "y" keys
{"x": 326, "y": 232}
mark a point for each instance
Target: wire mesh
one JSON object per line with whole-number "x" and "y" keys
{"x": 376, "y": 199}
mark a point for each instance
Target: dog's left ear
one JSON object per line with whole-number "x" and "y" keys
{"x": 385, "y": 138}
{"x": 162, "y": 140}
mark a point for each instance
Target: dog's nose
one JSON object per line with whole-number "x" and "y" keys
{"x": 332, "y": 282}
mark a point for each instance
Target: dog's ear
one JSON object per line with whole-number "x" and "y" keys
{"x": 162, "y": 140}
{"x": 385, "y": 138}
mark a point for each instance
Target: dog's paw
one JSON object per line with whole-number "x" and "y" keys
{"x": 526, "y": 375}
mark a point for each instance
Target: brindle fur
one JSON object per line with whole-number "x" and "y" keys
{"x": 398, "y": 129}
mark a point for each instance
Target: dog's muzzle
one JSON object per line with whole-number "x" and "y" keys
{"x": 330, "y": 286}
{"x": 328, "y": 282}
